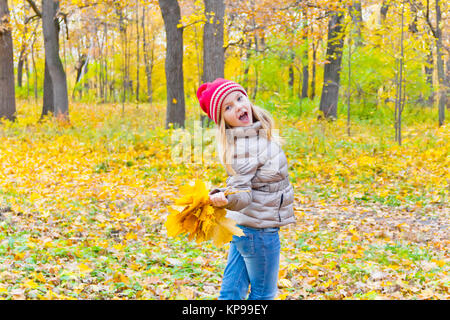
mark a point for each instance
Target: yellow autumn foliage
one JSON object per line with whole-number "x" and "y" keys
{"x": 199, "y": 219}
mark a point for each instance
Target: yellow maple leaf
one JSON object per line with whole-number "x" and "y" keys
{"x": 131, "y": 236}
{"x": 31, "y": 284}
{"x": 173, "y": 224}
{"x": 84, "y": 268}
{"x": 190, "y": 224}
{"x": 40, "y": 277}
{"x": 19, "y": 255}
{"x": 282, "y": 296}
{"x": 224, "y": 230}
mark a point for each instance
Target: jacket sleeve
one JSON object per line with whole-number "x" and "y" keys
{"x": 241, "y": 183}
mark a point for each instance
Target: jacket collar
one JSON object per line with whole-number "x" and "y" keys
{"x": 248, "y": 131}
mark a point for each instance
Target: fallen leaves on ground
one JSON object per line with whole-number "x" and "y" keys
{"x": 83, "y": 207}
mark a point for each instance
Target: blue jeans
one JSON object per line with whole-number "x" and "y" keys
{"x": 253, "y": 260}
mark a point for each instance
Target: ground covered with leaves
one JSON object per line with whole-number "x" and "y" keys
{"x": 83, "y": 207}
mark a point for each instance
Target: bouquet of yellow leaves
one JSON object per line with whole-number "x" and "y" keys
{"x": 199, "y": 219}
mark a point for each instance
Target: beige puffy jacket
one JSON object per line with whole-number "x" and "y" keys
{"x": 262, "y": 170}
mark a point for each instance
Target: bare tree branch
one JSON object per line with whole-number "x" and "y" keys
{"x": 239, "y": 42}
{"x": 35, "y": 8}
{"x": 27, "y": 20}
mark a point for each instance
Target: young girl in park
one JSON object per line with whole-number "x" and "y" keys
{"x": 261, "y": 199}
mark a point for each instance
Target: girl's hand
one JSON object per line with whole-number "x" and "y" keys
{"x": 218, "y": 199}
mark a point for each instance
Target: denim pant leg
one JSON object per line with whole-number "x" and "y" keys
{"x": 262, "y": 267}
{"x": 235, "y": 278}
{"x": 254, "y": 260}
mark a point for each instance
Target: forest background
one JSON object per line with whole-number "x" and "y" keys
{"x": 101, "y": 127}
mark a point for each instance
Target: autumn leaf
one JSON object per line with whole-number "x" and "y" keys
{"x": 84, "y": 268}
{"x": 31, "y": 284}
{"x": 120, "y": 277}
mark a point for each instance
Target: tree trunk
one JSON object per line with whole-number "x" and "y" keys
{"x": 100, "y": 68}
{"x": 123, "y": 38}
{"x": 305, "y": 80}
{"x": 27, "y": 72}
{"x": 112, "y": 81}
{"x": 291, "y": 73}
{"x": 447, "y": 83}
{"x": 400, "y": 90}
{"x": 48, "y": 101}
{"x": 147, "y": 60}
{"x": 248, "y": 55}
{"x": 7, "y": 90}
{"x": 356, "y": 14}
{"x": 105, "y": 62}
{"x": 429, "y": 75}
{"x": 174, "y": 63}
{"x": 331, "y": 75}
{"x": 33, "y": 60}
{"x": 138, "y": 84}
{"x": 56, "y": 70}
{"x": 442, "y": 98}
{"x": 199, "y": 58}
{"x": 413, "y": 25}
{"x": 20, "y": 67}
{"x": 80, "y": 66}
{"x": 349, "y": 92}
{"x": 213, "y": 51}
{"x": 305, "y": 62}
{"x": 24, "y": 45}
{"x": 383, "y": 11}
{"x": 255, "y": 91}
{"x": 313, "y": 73}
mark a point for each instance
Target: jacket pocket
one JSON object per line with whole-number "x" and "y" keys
{"x": 281, "y": 203}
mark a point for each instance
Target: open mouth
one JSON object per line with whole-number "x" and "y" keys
{"x": 244, "y": 117}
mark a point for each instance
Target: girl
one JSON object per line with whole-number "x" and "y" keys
{"x": 258, "y": 170}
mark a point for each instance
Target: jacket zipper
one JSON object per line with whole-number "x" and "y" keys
{"x": 281, "y": 202}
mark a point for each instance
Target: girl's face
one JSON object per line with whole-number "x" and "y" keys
{"x": 237, "y": 110}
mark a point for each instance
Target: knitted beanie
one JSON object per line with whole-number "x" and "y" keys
{"x": 211, "y": 95}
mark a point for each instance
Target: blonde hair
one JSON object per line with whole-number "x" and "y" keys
{"x": 225, "y": 145}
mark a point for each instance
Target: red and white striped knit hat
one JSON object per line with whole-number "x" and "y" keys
{"x": 211, "y": 95}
